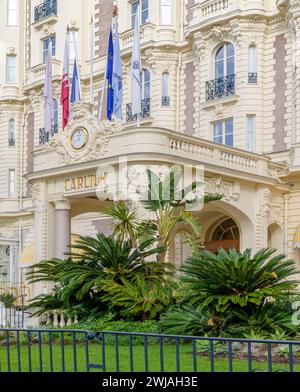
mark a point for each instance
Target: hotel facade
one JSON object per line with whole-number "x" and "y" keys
{"x": 221, "y": 88}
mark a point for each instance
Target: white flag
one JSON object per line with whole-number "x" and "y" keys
{"x": 48, "y": 92}
{"x": 136, "y": 91}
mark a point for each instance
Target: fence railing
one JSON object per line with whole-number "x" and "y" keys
{"x": 48, "y": 350}
{"x": 45, "y": 9}
{"x": 220, "y": 87}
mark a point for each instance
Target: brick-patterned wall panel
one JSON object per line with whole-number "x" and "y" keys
{"x": 103, "y": 17}
{"x": 280, "y": 93}
{"x": 189, "y": 14}
{"x": 189, "y": 98}
{"x": 30, "y": 146}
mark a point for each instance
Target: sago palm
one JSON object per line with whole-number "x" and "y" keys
{"x": 139, "y": 297}
{"x": 234, "y": 279}
{"x": 98, "y": 259}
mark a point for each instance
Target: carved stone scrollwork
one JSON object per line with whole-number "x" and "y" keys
{"x": 231, "y": 191}
{"x": 98, "y": 140}
{"x": 266, "y": 203}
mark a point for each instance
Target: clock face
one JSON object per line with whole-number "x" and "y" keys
{"x": 79, "y": 138}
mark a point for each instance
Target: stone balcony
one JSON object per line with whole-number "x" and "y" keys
{"x": 204, "y": 12}
{"x": 147, "y": 33}
{"x": 36, "y": 74}
{"x": 155, "y": 144}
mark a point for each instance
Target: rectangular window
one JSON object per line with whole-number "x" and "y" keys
{"x": 250, "y": 132}
{"x": 223, "y": 132}
{"x": 12, "y": 183}
{"x": 144, "y": 12}
{"x": 12, "y": 14}
{"x": 46, "y": 43}
{"x": 11, "y": 64}
{"x": 12, "y": 133}
{"x": 166, "y": 12}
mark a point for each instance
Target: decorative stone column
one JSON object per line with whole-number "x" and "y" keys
{"x": 62, "y": 228}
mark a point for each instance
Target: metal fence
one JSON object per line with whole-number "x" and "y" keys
{"x": 84, "y": 351}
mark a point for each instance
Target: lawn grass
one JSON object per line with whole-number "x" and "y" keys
{"x": 95, "y": 357}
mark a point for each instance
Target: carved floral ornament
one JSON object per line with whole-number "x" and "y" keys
{"x": 138, "y": 182}
{"x": 98, "y": 137}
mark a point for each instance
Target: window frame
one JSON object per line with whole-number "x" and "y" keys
{"x": 12, "y": 185}
{"x": 55, "y": 121}
{"x": 224, "y": 134}
{"x": 45, "y": 49}
{"x": 251, "y": 144}
{"x": 165, "y": 84}
{"x": 225, "y": 60}
{"x": 9, "y": 10}
{"x": 144, "y": 83}
{"x": 11, "y": 135}
{"x": 170, "y": 6}
{"x": 133, "y": 14}
{"x": 8, "y": 67}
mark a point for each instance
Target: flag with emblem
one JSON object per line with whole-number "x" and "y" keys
{"x": 109, "y": 76}
{"x": 136, "y": 93}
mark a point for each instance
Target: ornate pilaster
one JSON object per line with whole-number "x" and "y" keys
{"x": 293, "y": 18}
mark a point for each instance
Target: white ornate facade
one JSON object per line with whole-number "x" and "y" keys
{"x": 221, "y": 87}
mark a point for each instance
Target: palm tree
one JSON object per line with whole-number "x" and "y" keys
{"x": 93, "y": 262}
{"x": 169, "y": 202}
{"x": 139, "y": 297}
{"x": 237, "y": 280}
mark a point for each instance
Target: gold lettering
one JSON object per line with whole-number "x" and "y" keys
{"x": 80, "y": 183}
{"x": 67, "y": 182}
{"x": 96, "y": 181}
{"x": 73, "y": 184}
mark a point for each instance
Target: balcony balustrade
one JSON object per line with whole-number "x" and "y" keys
{"x": 43, "y": 10}
{"x": 252, "y": 77}
{"x": 11, "y": 142}
{"x": 220, "y": 87}
{"x": 146, "y": 108}
{"x": 44, "y": 136}
{"x": 165, "y": 101}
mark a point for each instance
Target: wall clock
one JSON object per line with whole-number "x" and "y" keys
{"x": 79, "y": 138}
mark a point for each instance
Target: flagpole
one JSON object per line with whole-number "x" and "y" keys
{"x": 138, "y": 119}
{"x": 92, "y": 61}
{"x": 103, "y": 88}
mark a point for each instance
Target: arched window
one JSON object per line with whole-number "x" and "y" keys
{"x": 252, "y": 66}
{"x": 165, "y": 89}
{"x": 55, "y": 117}
{"x": 12, "y": 133}
{"x": 166, "y": 12}
{"x": 146, "y": 84}
{"x": 224, "y": 61}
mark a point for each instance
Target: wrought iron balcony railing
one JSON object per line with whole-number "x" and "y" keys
{"x": 165, "y": 101}
{"x": 45, "y": 136}
{"x": 11, "y": 142}
{"x": 221, "y": 87}
{"x": 252, "y": 77}
{"x": 144, "y": 113}
{"x": 48, "y": 8}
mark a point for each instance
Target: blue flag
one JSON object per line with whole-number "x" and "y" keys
{"x": 75, "y": 95}
{"x": 109, "y": 76}
{"x": 117, "y": 82}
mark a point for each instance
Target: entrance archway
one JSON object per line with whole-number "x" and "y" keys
{"x": 223, "y": 234}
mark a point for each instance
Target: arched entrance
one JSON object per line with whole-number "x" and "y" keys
{"x": 223, "y": 234}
